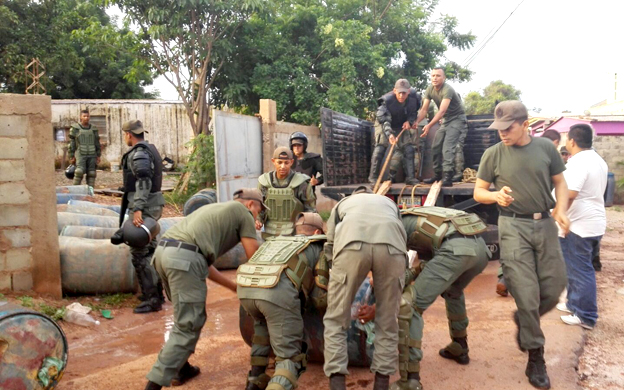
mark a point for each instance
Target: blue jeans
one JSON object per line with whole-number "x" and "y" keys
{"x": 578, "y": 253}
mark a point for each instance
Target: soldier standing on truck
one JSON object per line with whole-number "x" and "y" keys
{"x": 273, "y": 288}
{"x": 310, "y": 164}
{"x": 287, "y": 193}
{"x": 448, "y": 144}
{"x": 397, "y": 111}
{"x": 524, "y": 171}
{"x": 84, "y": 149}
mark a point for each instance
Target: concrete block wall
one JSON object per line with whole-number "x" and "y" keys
{"x": 29, "y": 251}
{"x": 611, "y": 149}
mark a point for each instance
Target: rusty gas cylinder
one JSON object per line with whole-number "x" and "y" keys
{"x": 33, "y": 349}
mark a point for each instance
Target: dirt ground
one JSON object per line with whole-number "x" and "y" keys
{"x": 119, "y": 353}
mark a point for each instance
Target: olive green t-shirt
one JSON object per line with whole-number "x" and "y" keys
{"x": 284, "y": 295}
{"x": 455, "y": 108}
{"x": 215, "y": 228}
{"x": 527, "y": 170}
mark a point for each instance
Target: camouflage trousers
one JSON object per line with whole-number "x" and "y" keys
{"x": 454, "y": 266}
{"x": 86, "y": 164}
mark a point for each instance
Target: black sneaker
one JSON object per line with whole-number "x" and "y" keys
{"x": 148, "y": 306}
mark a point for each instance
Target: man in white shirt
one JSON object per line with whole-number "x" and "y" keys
{"x": 586, "y": 175}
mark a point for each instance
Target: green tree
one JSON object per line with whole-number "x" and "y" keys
{"x": 52, "y": 32}
{"x": 484, "y": 103}
{"x": 188, "y": 42}
{"x": 341, "y": 54}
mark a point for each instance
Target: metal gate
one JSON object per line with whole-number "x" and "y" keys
{"x": 347, "y": 148}
{"x": 238, "y": 152}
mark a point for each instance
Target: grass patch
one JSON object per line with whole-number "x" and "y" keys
{"x": 53, "y": 312}
{"x": 617, "y": 208}
{"x": 1, "y": 296}
{"x": 26, "y": 301}
{"x": 177, "y": 199}
{"x": 116, "y": 300}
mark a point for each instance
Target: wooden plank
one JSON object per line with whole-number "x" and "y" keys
{"x": 385, "y": 186}
{"x": 433, "y": 193}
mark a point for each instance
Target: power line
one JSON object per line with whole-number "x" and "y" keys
{"x": 472, "y": 57}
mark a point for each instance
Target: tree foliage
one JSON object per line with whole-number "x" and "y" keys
{"x": 188, "y": 42}
{"x": 341, "y": 54}
{"x": 484, "y": 103}
{"x": 53, "y": 32}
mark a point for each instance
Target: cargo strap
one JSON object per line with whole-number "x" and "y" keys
{"x": 262, "y": 361}
{"x": 410, "y": 366}
{"x": 286, "y": 374}
{"x": 458, "y": 333}
{"x": 456, "y": 316}
{"x": 260, "y": 340}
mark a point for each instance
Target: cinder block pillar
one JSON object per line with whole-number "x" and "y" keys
{"x": 268, "y": 113}
{"x": 29, "y": 249}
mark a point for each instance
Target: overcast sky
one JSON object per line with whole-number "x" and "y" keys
{"x": 562, "y": 55}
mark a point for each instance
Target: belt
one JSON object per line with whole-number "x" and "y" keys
{"x": 536, "y": 216}
{"x": 179, "y": 244}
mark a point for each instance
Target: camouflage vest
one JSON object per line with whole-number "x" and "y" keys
{"x": 278, "y": 255}
{"x": 86, "y": 140}
{"x": 436, "y": 223}
{"x": 284, "y": 205}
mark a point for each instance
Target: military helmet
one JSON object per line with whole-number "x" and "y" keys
{"x": 69, "y": 172}
{"x": 300, "y": 136}
{"x": 139, "y": 237}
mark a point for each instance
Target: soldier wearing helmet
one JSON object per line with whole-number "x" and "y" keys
{"x": 310, "y": 164}
{"x": 273, "y": 288}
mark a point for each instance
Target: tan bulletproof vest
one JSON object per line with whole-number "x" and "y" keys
{"x": 283, "y": 204}
{"x": 436, "y": 223}
{"x": 277, "y": 255}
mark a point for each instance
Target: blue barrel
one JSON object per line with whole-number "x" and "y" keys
{"x": 77, "y": 202}
{"x": 95, "y": 267}
{"x": 94, "y": 233}
{"x": 65, "y": 198}
{"x": 359, "y": 351}
{"x": 79, "y": 190}
{"x": 201, "y": 198}
{"x": 73, "y": 219}
{"x": 33, "y": 349}
{"x": 68, "y": 208}
{"x": 610, "y": 190}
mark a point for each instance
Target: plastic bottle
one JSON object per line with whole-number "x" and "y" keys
{"x": 80, "y": 318}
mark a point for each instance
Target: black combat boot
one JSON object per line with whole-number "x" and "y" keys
{"x": 376, "y": 163}
{"x": 152, "y": 386}
{"x": 536, "y": 369}
{"x": 186, "y": 373}
{"x": 382, "y": 382}
{"x": 458, "y": 177}
{"x": 447, "y": 179}
{"x": 457, "y": 350}
{"x": 436, "y": 177}
{"x": 337, "y": 382}
{"x": 409, "y": 166}
{"x": 257, "y": 379}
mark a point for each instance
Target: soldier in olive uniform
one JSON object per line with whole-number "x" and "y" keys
{"x": 142, "y": 180}
{"x": 183, "y": 260}
{"x": 310, "y": 164}
{"x": 273, "y": 287}
{"x": 454, "y": 253}
{"x": 448, "y": 144}
{"x": 364, "y": 233}
{"x": 524, "y": 171}
{"x": 84, "y": 149}
{"x": 397, "y": 111}
{"x": 287, "y": 193}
